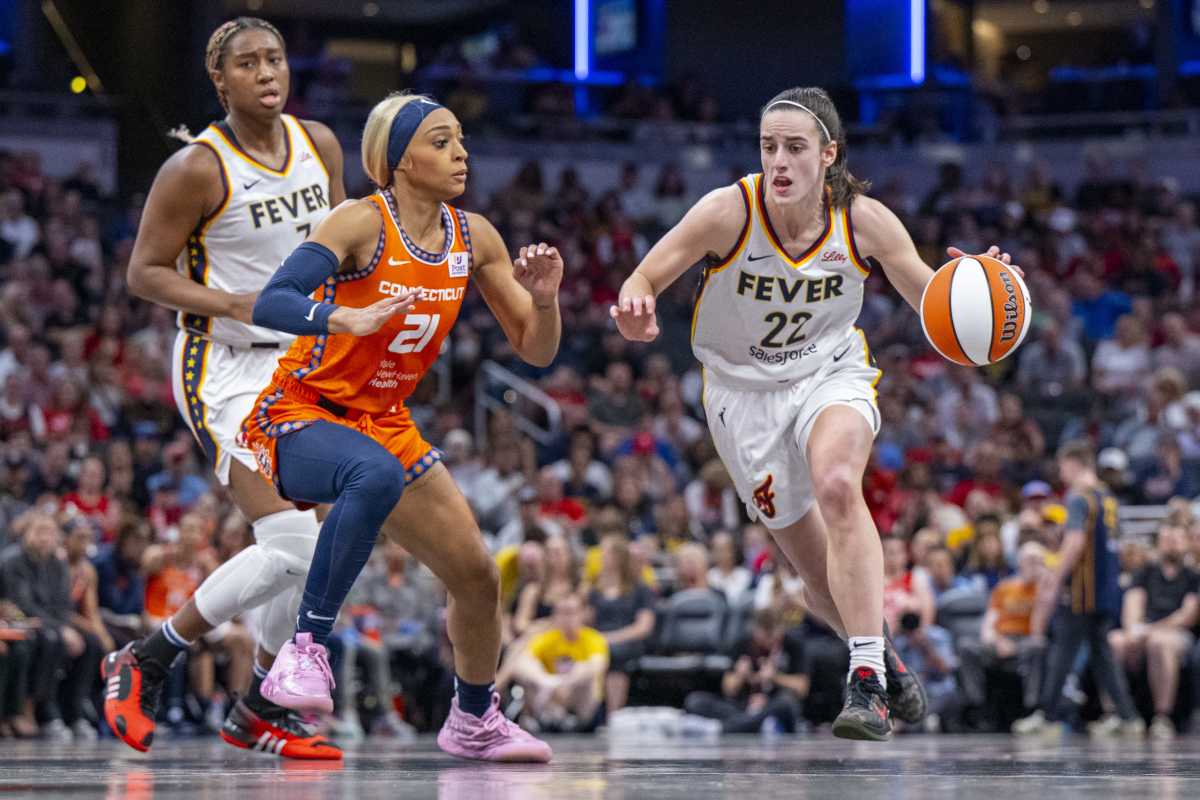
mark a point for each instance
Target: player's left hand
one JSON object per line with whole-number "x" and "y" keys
{"x": 539, "y": 268}
{"x": 992, "y": 251}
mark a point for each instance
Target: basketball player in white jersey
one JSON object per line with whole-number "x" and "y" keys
{"x": 222, "y": 215}
{"x": 789, "y": 382}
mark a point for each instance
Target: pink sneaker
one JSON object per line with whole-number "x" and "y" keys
{"x": 300, "y": 678}
{"x": 492, "y": 737}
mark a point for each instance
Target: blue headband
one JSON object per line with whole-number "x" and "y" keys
{"x": 404, "y": 126}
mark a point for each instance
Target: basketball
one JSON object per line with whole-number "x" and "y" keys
{"x": 975, "y": 310}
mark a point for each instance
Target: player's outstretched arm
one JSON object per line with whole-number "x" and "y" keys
{"x": 523, "y": 294}
{"x": 343, "y": 237}
{"x": 709, "y": 229}
{"x": 880, "y": 234}
{"x": 186, "y": 192}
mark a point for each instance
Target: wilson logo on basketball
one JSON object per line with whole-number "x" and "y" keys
{"x": 1012, "y": 308}
{"x": 834, "y": 256}
{"x": 764, "y": 497}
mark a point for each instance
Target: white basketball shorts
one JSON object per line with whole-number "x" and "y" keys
{"x": 215, "y": 387}
{"x": 762, "y": 436}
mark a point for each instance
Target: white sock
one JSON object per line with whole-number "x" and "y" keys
{"x": 867, "y": 651}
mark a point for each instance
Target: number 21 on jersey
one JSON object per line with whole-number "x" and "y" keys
{"x": 418, "y": 330}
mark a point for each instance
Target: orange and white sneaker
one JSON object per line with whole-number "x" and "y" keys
{"x": 282, "y": 733}
{"x": 132, "y": 690}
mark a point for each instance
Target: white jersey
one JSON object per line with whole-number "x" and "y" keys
{"x": 265, "y": 215}
{"x": 762, "y": 318}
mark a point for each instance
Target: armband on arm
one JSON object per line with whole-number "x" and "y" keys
{"x": 285, "y": 303}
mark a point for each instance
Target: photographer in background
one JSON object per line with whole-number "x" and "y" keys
{"x": 927, "y": 650}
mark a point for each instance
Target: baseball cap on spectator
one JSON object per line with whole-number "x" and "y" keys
{"x": 1036, "y": 490}
{"x": 1113, "y": 458}
{"x": 643, "y": 444}
{"x": 1055, "y": 513}
{"x": 145, "y": 430}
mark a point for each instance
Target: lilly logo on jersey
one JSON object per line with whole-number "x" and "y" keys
{"x": 450, "y": 294}
{"x": 834, "y": 256}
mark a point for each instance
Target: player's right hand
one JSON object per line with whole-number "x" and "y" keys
{"x": 635, "y": 318}
{"x": 241, "y": 307}
{"x": 367, "y": 320}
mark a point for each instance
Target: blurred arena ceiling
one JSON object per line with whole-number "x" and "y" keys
{"x": 412, "y": 12}
{"x": 1044, "y": 16}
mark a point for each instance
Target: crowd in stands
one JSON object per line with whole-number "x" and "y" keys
{"x": 630, "y": 570}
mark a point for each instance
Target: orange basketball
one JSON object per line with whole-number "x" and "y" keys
{"x": 975, "y": 310}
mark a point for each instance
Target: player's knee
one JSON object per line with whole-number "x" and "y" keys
{"x": 381, "y": 478}
{"x": 837, "y": 491}
{"x": 478, "y": 582}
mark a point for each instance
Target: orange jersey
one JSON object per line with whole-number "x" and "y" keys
{"x": 375, "y": 373}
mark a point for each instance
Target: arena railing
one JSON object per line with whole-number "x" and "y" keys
{"x": 499, "y": 389}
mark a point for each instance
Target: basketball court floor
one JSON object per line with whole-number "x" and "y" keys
{"x": 748, "y": 768}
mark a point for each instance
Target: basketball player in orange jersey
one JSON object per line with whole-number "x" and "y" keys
{"x": 373, "y": 294}
{"x": 222, "y": 214}
{"x": 789, "y": 388}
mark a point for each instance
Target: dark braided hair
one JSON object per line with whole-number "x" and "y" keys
{"x": 842, "y": 185}
{"x": 214, "y": 56}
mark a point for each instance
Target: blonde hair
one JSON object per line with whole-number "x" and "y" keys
{"x": 376, "y": 132}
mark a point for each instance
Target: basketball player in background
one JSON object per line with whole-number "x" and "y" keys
{"x": 1083, "y": 596}
{"x": 789, "y": 382}
{"x": 223, "y": 213}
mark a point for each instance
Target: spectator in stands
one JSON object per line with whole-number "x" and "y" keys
{"x": 80, "y": 538}
{"x": 1098, "y": 308}
{"x": 904, "y": 589}
{"x": 1004, "y": 643}
{"x": 16, "y": 664}
{"x": 584, "y": 476}
{"x": 563, "y": 670}
{"x": 710, "y": 499}
{"x": 38, "y": 583}
{"x": 691, "y": 568}
{"x": 120, "y": 583}
{"x": 92, "y": 502}
{"x": 529, "y": 525}
{"x": 1051, "y": 365}
{"x": 968, "y": 409}
{"x": 1168, "y": 475}
{"x": 1158, "y": 613}
{"x": 614, "y": 406}
{"x": 765, "y": 688}
{"x": 986, "y": 564}
{"x": 726, "y": 575}
{"x": 927, "y": 650}
{"x": 943, "y": 579}
{"x": 537, "y": 600}
{"x": 17, "y": 229}
{"x": 494, "y": 499}
{"x": 622, "y": 609}
{"x": 1180, "y": 348}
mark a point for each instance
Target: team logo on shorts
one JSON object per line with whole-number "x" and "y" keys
{"x": 459, "y": 265}
{"x": 263, "y": 456}
{"x": 764, "y": 497}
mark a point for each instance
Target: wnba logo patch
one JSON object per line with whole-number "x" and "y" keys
{"x": 459, "y": 265}
{"x": 764, "y": 497}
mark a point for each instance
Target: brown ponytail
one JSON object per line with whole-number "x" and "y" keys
{"x": 843, "y": 186}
